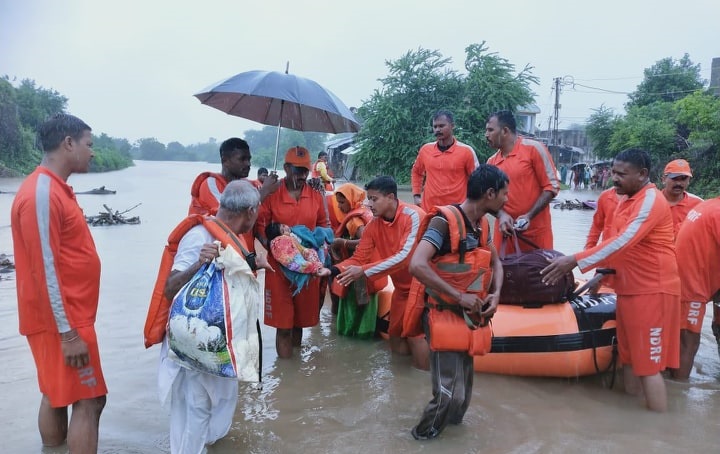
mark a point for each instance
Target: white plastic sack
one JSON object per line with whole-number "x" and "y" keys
{"x": 214, "y": 320}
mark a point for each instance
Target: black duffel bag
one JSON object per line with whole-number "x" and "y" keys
{"x": 522, "y": 281}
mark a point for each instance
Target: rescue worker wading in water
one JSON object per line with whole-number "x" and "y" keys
{"x": 455, "y": 270}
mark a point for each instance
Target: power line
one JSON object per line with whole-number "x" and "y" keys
{"x": 615, "y": 92}
{"x": 638, "y": 77}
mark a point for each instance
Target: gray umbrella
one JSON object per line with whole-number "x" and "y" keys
{"x": 282, "y": 100}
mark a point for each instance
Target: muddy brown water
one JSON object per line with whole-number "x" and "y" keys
{"x": 337, "y": 395}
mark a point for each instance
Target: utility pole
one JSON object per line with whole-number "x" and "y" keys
{"x": 556, "y": 113}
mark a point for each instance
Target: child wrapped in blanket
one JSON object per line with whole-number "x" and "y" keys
{"x": 298, "y": 262}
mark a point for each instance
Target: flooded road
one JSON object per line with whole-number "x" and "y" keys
{"x": 338, "y": 395}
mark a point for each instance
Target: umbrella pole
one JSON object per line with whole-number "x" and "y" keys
{"x": 277, "y": 137}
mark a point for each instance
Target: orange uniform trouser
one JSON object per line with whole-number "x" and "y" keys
{"x": 648, "y": 332}
{"x": 284, "y": 311}
{"x": 65, "y": 385}
{"x": 692, "y": 314}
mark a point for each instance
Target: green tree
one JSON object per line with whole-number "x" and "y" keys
{"x": 397, "y": 118}
{"x": 491, "y": 84}
{"x": 36, "y": 104}
{"x": 667, "y": 80}
{"x": 150, "y": 149}
{"x": 699, "y": 113}
{"x": 599, "y": 130}
{"x": 650, "y": 127}
{"x": 262, "y": 144}
{"x": 22, "y": 110}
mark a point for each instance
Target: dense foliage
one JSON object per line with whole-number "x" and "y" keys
{"x": 22, "y": 110}
{"x": 670, "y": 116}
{"x": 397, "y": 117}
{"x": 666, "y": 81}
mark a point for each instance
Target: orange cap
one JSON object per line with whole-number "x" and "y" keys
{"x": 676, "y": 168}
{"x": 298, "y": 157}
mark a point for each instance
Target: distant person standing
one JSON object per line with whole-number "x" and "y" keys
{"x": 320, "y": 170}
{"x": 58, "y": 286}
{"x": 533, "y": 183}
{"x": 676, "y": 179}
{"x": 262, "y": 174}
{"x": 442, "y": 168}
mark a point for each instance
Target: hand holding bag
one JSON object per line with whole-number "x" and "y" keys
{"x": 522, "y": 281}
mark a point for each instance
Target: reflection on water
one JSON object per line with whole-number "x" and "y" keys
{"x": 337, "y": 395}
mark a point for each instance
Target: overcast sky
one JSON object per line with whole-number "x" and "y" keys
{"x": 129, "y": 68}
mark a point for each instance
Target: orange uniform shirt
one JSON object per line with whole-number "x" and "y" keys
{"x": 602, "y": 219}
{"x": 531, "y": 171}
{"x": 282, "y": 309}
{"x": 680, "y": 210}
{"x": 392, "y": 241}
{"x": 57, "y": 266}
{"x": 698, "y": 252}
{"x": 641, "y": 246}
{"x": 445, "y": 173}
{"x": 281, "y": 207}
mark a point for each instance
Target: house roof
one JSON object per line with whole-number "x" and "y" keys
{"x": 339, "y": 141}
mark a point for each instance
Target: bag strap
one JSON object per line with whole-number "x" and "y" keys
{"x": 232, "y": 237}
{"x": 503, "y": 243}
{"x": 462, "y": 230}
{"x": 441, "y": 304}
{"x": 526, "y": 240}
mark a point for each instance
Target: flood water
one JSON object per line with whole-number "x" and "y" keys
{"x": 337, "y": 395}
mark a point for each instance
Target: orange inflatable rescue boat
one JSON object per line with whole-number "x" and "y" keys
{"x": 570, "y": 339}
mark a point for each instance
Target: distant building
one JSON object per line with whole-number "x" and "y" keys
{"x": 525, "y": 119}
{"x": 572, "y": 146}
{"x": 715, "y": 76}
{"x": 339, "y": 150}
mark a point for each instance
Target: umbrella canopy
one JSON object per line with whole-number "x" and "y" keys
{"x": 279, "y": 99}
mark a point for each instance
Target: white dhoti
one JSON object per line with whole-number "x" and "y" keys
{"x": 201, "y": 405}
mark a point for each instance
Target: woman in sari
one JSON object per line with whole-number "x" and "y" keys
{"x": 356, "y": 305}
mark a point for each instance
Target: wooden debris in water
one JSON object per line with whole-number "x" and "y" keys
{"x": 6, "y": 265}
{"x": 570, "y": 205}
{"x": 110, "y": 217}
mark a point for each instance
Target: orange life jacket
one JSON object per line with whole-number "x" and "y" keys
{"x": 157, "y": 317}
{"x": 469, "y": 271}
{"x": 197, "y": 205}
